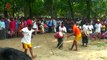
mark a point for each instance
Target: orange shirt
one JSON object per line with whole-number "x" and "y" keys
{"x": 76, "y": 30}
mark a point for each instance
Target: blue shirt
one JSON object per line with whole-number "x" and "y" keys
{"x": 2, "y": 25}
{"x": 17, "y": 25}
{"x": 50, "y": 23}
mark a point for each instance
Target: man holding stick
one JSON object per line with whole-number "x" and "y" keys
{"x": 76, "y": 33}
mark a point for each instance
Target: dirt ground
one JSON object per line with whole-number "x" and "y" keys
{"x": 44, "y": 46}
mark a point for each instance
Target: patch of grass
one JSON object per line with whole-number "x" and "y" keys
{"x": 104, "y": 58}
{"x": 100, "y": 44}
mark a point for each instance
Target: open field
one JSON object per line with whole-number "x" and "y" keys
{"x": 44, "y": 46}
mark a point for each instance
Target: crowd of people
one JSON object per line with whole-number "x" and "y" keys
{"x": 10, "y": 27}
{"x": 21, "y": 27}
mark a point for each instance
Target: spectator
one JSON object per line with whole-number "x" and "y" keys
{"x": 2, "y": 29}
{"x": 50, "y": 25}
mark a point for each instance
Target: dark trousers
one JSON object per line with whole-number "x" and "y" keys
{"x": 0, "y": 34}
{"x": 3, "y": 34}
{"x": 60, "y": 43}
{"x": 85, "y": 39}
{"x": 50, "y": 29}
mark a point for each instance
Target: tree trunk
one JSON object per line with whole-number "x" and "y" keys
{"x": 52, "y": 12}
{"x": 5, "y": 10}
{"x": 88, "y": 8}
{"x": 70, "y": 2}
{"x": 13, "y": 11}
{"x": 26, "y": 9}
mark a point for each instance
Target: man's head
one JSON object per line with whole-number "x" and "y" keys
{"x": 29, "y": 27}
{"x": 13, "y": 54}
{"x": 62, "y": 24}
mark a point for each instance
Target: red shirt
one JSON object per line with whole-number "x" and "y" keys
{"x": 13, "y": 25}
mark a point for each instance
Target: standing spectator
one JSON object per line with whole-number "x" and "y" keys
{"x": 6, "y": 26}
{"x": 85, "y": 34}
{"x": 54, "y": 24}
{"x": 12, "y": 27}
{"x": 1, "y": 29}
{"x": 91, "y": 28}
{"x": 67, "y": 25}
{"x": 21, "y": 25}
{"x": 6, "y": 23}
{"x": 50, "y": 25}
{"x": 103, "y": 30}
{"x": 98, "y": 26}
{"x": 25, "y": 22}
{"x": 85, "y": 28}
{"x": 60, "y": 21}
{"x": 17, "y": 26}
{"x": 35, "y": 25}
{"x": 42, "y": 26}
{"x": 57, "y": 28}
{"x": 45, "y": 27}
{"x": 47, "y": 21}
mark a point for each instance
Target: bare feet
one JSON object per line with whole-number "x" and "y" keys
{"x": 34, "y": 56}
{"x": 75, "y": 50}
{"x": 70, "y": 48}
{"x": 86, "y": 46}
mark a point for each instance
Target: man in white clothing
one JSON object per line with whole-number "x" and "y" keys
{"x": 26, "y": 40}
{"x": 85, "y": 29}
{"x": 61, "y": 31}
{"x": 62, "y": 28}
{"x": 55, "y": 24}
{"x": 35, "y": 27}
{"x": 98, "y": 27}
{"x": 90, "y": 27}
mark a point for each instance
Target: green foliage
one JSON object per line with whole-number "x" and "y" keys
{"x": 58, "y": 8}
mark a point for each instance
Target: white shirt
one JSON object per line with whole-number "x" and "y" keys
{"x": 98, "y": 27}
{"x": 62, "y": 29}
{"x": 34, "y": 25}
{"x": 27, "y": 35}
{"x": 85, "y": 27}
{"x": 90, "y": 27}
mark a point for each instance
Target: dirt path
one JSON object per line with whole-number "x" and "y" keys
{"x": 44, "y": 46}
